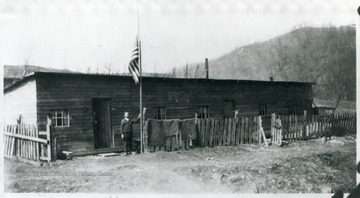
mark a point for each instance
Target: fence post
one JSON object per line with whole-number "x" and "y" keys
{"x": 304, "y": 125}
{"x": 48, "y": 146}
{"x": 272, "y": 125}
{"x": 51, "y": 140}
{"x": 259, "y": 129}
{"x": 197, "y": 142}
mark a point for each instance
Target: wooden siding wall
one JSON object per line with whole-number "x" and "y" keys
{"x": 21, "y": 101}
{"x": 181, "y": 99}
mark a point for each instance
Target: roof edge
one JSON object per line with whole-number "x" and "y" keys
{"x": 34, "y": 74}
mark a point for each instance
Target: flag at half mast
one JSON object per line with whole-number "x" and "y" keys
{"x": 134, "y": 67}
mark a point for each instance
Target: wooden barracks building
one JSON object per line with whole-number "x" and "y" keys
{"x": 87, "y": 108}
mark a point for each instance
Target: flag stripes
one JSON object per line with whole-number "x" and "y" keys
{"x": 134, "y": 62}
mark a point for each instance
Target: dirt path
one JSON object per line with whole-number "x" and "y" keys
{"x": 306, "y": 166}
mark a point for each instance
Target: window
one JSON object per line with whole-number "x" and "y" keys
{"x": 60, "y": 118}
{"x": 160, "y": 113}
{"x": 292, "y": 109}
{"x": 263, "y": 109}
{"x": 204, "y": 112}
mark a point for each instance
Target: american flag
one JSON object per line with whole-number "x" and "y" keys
{"x": 134, "y": 62}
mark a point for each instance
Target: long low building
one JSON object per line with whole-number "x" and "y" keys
{"x": 87, "y": 108}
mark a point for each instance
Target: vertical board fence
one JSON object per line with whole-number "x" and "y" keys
{"x": 302, "y": 127}
{"x": 23, "y": 141}
{"x": 212, "y": 132}
{"x": 229, "y": 131}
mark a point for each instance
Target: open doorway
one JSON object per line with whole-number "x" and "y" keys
{"x": 102, "y": 122}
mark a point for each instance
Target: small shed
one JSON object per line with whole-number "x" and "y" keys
{"x": 323, "y": 110}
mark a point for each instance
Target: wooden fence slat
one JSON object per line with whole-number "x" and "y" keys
{"x": 259, "y": 129}
{"x": 37, "y": 144}
{"x": 215, "y": 126}
{"x": 207, "y": 132}
{"x": 224, "y": 131}
{"x": 221, "y": 129}
{"x": 242, "y": 130}
{"x": 212, "y": 132}
{"x": 218, "y": 129}
{"x": 229, "y": 132}
{"x": 12, "y": 141}
{"x": 254, "y": 131}
{"x": 233, "y": 132}
{"x": 251, "y": 130}
{"x": 237, "y": 132}
{"x": 246, "y": 130}
{"x": 203, "y": 128}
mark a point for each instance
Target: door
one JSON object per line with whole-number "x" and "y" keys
{"x": 229, "y": 108}
{"x": 102, "y": 123}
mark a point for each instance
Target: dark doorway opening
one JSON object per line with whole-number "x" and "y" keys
{"x": 102, "y": 122}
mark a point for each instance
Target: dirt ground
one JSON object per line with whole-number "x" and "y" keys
{"x": 304, "y": 166}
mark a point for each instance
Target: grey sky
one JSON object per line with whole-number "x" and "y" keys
{"x": 64, "y": 34}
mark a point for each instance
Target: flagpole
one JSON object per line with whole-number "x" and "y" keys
{"x": 140, "y": 81}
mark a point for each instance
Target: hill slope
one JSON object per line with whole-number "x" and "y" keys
{"x": 323, "y": 55}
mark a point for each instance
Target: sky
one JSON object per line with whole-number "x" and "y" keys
{"x": 88, "y": 34}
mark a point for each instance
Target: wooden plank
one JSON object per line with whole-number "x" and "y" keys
{"x": 251, "y": 127}
{"x": 216, "y": 131}
{"x": 10, "y": 144}
{"x": 225, "y": 131}
{"x": 202, "y": 128}
{"x": 6, "y": 145}
{"x": 296, "y": 127}
{"x": 237, "y": 131}
{"x": 26, "y": 142}
{"x": 18, "y": 142}
{"x": 259, "y": 127}
{"x": 27, "y": 149}
{"x": 207, "y": 132}
{"x": 27, "y": 132}
{"x": 204, "y": 132}
{"x": 320, "y": 128}
{"x": 48, "y": 138}
{"x": 22, "y": 141}
{"x": 256, "y": 130}
{"x": 211, "y": 131}
{"x": 229, "y": 132}
{"x": 242, "y": 130}
{"x": 31, "y": 143}
{"x": 22, "y": 137}
{"x": 221, "y": 129}
{"x": 289, "y": 128}
{"x": 214, "y": 126}
{"x": 264, "y": 137}
{"x": 312, "y": 130}
{"x": 246, "y": 131}
{"x": 37, "y": 145}
{"x": 234, "y": 131}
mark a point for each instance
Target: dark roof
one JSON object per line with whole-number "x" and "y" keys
{"x": 35, "y": 74}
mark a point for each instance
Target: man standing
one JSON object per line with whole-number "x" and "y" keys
{"x": 126, "y": 131}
